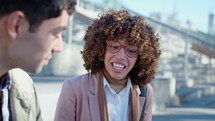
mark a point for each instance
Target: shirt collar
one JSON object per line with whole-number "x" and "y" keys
{"x": 5, "y": 80}
{"x": 124, "y": 90}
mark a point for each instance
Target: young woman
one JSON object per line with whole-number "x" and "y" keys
{"x": 121, "y": 53}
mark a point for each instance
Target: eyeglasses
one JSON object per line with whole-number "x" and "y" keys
{"x": 130, "y": 50}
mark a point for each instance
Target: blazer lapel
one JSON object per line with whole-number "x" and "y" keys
{"x": 94, "y": 108}
{"x": 93, "y": 99}
{"x": 141, "y": 99}
{"x": 141, "y": 102}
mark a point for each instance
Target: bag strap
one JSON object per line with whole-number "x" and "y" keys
{"x": 143, "y": 90}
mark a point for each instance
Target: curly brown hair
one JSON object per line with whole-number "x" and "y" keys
{"x": 120, "y": 24}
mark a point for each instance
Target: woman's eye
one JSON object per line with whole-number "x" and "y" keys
{"x": 114, "y": 47}
{"x": 132, "y": 50}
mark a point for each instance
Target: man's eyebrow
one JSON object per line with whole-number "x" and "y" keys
{"x": 59, "y": 29}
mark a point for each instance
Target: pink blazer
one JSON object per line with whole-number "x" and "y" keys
{"x": 78, "y": 100}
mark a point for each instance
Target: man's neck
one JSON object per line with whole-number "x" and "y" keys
{"x": 3, "y": 71}
{"x": 3, "y": 66}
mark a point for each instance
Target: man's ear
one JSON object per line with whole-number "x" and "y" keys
{"x": 14, "y": 22}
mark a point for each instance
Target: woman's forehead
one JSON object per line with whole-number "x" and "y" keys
{"x": 126, "y": 41}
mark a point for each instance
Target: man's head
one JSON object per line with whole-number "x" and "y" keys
{"x": 37, "y": 11}
{"x": 31, "y": 31}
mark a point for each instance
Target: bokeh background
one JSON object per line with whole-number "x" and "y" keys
{"x": 184, "y": 86}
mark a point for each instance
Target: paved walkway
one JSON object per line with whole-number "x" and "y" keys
{"x": 48, "y": 90}
{"x": 196, "y": 110}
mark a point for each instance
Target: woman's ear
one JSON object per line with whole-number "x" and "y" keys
{"x": 14, "y": 21}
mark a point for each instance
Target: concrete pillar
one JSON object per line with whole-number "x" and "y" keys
{"x": 69, "y": 30}
{"x": 164, "y": 91}
{"x": 210, "y": 69}
{"x": 186, "y": 60}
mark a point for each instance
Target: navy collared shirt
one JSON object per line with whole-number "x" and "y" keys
{"x": 5, "y": 83}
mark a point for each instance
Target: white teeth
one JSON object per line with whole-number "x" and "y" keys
{"x": 118, "y": 66}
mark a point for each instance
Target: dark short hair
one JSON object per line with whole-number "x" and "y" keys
{"x": 36, "y": 11}
{"x": 120, "y": 24}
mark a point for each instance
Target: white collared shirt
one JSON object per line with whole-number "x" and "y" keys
{"x": 117, "y": 104}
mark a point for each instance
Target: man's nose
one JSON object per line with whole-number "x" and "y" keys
{"x": 58, "y": 46}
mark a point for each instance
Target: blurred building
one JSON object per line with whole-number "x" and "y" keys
{"x": 185, "y": 53}
{"x": 188, "y": 56}
{"x": 211, "y": 24}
